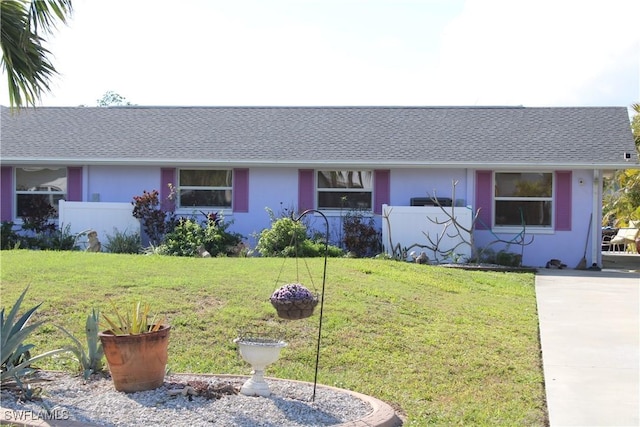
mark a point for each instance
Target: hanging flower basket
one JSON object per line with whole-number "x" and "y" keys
{"x": 293, "y": 301}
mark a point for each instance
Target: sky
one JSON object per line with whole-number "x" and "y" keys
{"x": 348, "y": 52}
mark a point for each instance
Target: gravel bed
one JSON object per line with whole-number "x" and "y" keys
{"x": 96, "y": 402}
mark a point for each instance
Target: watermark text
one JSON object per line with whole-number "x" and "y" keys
{"x": 32, "y": 415}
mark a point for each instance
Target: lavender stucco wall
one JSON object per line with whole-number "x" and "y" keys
{"x": 567, "y": 246}
{"x": 277, "y": 189}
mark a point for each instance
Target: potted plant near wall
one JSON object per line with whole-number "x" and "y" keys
{"x": 136, "y": 347}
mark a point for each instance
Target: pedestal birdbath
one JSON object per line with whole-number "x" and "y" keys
{"x": 259, "y": 353}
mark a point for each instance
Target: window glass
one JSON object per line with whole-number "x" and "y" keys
{"x": 345, "y": 179}
{"x": 523, "y": 197}
{"x": 204, "y": 188}
{"x": 205, "y": 178}
{"x": 523, "y": 184}
{"x": 347, "y": 189}
{"x": 37, "y": 187}
{"x": 533, "y": 213}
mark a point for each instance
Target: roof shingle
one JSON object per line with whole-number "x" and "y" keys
{"x": 393, "y": 136}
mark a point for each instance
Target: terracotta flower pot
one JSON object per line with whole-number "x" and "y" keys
{"x": 136, "y": 362}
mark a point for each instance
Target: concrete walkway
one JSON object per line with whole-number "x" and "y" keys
{"x": 590, "y": 336}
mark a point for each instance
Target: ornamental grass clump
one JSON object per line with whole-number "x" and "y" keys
{"x": 294, "y": 301}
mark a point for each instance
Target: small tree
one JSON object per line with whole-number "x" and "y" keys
{"x": 622, "y": 193}
{"x": 452, "y": 228}
{"x": 360, "y": 236}
{"x": 37, "y": 215}
{"x": 111, "y": 98}
{"x": 466, "y": 235}
{"x": 156, "y": 222}
{"x": 41, "y": 230}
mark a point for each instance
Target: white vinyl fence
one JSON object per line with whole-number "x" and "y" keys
{"x": 404, "y": 226}
{"x": 104, "y": 218}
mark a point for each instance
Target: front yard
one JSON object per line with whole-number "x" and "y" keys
{"x": 444, "y": 346}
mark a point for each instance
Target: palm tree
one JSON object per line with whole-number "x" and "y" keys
{"x": 635, "y": 124}
{"x": 622, "y": 193}
{"x": 24, "y": 57}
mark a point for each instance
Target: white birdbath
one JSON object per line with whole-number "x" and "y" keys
{"x": 259, "y": 353}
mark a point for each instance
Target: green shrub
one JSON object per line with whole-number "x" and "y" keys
{"x": 284, "y": 238}
{"x": 502, "y": 257}
{"x": 184, "y": 240}
{"x": 288, "y": 238}
{"x": 53, "y": 239}
{"x": 61, "y": 239}
{"x": 318, "y": 250}
{"x": 122, "y": 243}
{"x": 10, "y": 239}
{"x": 508, "y": 259}
{"x": 189, "y": 238}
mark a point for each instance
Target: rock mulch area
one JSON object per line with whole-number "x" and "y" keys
{"x": 183, "y": 400}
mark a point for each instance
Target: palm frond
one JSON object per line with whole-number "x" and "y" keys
{"x": 24, "y": 57}
{"x": 45, "y": 14}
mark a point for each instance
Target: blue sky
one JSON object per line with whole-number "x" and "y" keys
{"x": 349, "y": 52}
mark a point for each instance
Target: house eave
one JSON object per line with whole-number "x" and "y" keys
{"x": 318, "y": 164}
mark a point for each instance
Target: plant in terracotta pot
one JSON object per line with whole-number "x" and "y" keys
{"x": 293, "y": 301}
{"x": 136, "y": 347}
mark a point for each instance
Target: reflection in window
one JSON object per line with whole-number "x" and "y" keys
{"x": 523, "y": 197}
{"x": 39, "y": 187}
{"x": 205, "y": 188}
{"x": 345, "y": 189}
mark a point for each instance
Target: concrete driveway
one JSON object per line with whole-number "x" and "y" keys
{"x": 590, "y": 336}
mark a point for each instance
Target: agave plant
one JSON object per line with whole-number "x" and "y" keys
{"x": 14, "y": 353}
{"x": 90, "y": 360}
{"x": 136, "y": 321}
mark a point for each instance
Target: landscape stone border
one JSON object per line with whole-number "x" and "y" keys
{"x": 382, "y": 414}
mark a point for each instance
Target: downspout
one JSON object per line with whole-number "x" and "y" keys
{"x": 596, "y": 224}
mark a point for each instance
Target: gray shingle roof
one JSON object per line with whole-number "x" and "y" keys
{"x": 391, "y": 136}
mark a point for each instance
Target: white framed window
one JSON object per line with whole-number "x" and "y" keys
{"x": 39, "y": 186}
{"x": 523, "y": 197}
{"x": 344, "y": 189}
{"x": 205, "y": 188}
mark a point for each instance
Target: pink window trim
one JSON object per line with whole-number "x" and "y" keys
{"x": 167, "y": 176}
{"x": 241, "y": 190}
{"x": 382, "y": 189}
{"x": 74, "y": 184}
{"x": 6, "y": 193}
{"x": 306, "y": 190}
{"x": 563, "y": 201}
{"x": 484, "y": 199}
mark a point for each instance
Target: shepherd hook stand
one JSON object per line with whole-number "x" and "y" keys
{"x": 324, "y": 276}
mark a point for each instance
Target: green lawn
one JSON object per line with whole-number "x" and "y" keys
{"x": 444, "y": 346}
